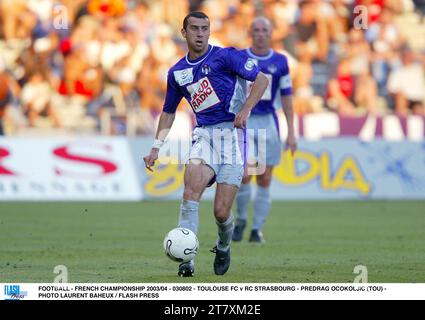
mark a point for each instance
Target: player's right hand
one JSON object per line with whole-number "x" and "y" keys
{"x": 151, "y": 158}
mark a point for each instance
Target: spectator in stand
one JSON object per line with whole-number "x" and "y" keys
{"x": 407, "y": 84}
{"x": 420, "y": 7}
{"x": 81, "y": 62}
{"x": 385, "y": 30}
{"x": 338, "y": 20}
{"x": 11, "y": 115}
{"x": 104, "y": 9}
{"x": 140, "y": 21}
{"x": 169, "y": 12}
{"x": 282, "y": 16}
{"x": 18, "y": 20}
{"x": 365, "y": 87}
{"x": 5, "y": 100}
{"x": 366, "y": 94}
{"x": 164, "y": 49}
{"x": 76, "y": 76}
{"x": 305, "y": 101}
{"x": 234, "y": 30}
{"x": 311, "y": 29}
{"x": 152, "y": 95}
{"x": 341, "y": 89}
{"x": 36, "y": 100}
{"x": 374, "y": 8}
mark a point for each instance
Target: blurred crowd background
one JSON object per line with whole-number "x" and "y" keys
{"x": 100, "y": 66}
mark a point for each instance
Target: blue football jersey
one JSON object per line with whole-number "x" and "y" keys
{"x": 214, "y": 84}
{"x": 275, "y": 66}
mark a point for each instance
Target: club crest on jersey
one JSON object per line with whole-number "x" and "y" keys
{"x": 202, "y": 95}
{"x": 272, "y": 68}
{"x": 206, "y": 69}
{"x": 184, "y": 76}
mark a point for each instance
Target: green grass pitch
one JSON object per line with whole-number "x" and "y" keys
{"x": 122, "y": 242}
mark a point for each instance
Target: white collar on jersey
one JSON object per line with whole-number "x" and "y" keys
{"x": 195, "y": 63}
{"x": 252, "y": 55}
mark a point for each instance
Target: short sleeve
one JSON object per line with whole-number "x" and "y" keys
{"x": 285, "y": 82}
{"x": 173, "y": 95}
{"x": 239, "y": 63}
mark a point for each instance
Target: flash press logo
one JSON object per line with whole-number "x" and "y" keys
{"x": 13, "y": 292}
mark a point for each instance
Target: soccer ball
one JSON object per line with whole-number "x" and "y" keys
{"x": 181, "y": 245}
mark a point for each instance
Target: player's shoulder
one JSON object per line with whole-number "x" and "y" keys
{"x": 179, "y": 65}
{"x": 181, "y": 72}
{"x": 271, "y": 56}
{"x": 280, "y": 57}
{"x": 231, "y": 49}
{"x": 225, "y": 51}
{"x": 183, "y": 63}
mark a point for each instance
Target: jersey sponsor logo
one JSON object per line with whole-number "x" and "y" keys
{"x": 184, "y": 76}
{"x": 250, "y": 64}
{"x": 202, "y": 95}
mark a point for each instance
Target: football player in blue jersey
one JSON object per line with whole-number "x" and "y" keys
{"x": 212, "y": 80}
{"x": 264, "y": 126}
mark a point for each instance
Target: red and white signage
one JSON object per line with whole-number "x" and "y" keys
{"x": 66, "y": 169}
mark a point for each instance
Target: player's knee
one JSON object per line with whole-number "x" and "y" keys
{"x": 221, "y": 213}
{"x": 191, "y": 194}
{"x": 246, "y": 179}
{"x": 264, "y": 180}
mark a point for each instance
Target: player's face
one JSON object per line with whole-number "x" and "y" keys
{"x": 197, "y": 34}
{"x": 261, "y": 34}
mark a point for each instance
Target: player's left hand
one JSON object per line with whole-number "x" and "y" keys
{"x": 241, "y": 119}
{"x": 291, "y": 143}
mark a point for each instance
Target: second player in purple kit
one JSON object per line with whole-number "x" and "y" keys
{"x": 263, "y": 125}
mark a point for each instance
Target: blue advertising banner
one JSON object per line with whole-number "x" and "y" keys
{"x": 338, "y": 168}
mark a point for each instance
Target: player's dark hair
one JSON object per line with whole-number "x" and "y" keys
{"x": 194, "y": 14}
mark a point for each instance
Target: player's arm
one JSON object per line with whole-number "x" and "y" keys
{"x": 285, "y": 85}
{"x": 237, "y": 62}
{"x": 166, "y": 120}
{"x": 288, "y": 110}
{"x": 259, "y": 86}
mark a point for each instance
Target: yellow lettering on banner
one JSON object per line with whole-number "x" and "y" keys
{"x": 357, "y": 182}
{"x": 325, "y": 177}
{"x": 286, "y": 171}
{"x": 165, "y": 180}
{"x": 347, "y": 176}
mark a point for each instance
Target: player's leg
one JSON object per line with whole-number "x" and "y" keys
{"x": 262, "y": 200}
{"x": 243, "y": 197}
{"x": 196, "y": 178}
{"x": 224, "y": 197}
{"x": 262, "y": 204}
{"x": 242, "y": 201}
{"x": 230, "y": 172}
